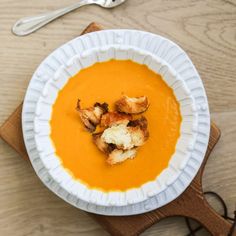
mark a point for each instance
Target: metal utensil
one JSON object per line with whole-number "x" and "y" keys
{"x": 28, "y": 25}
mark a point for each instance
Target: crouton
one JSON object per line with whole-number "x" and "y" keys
{"x": 102, "y": 146}
{"x": 127, "y": 136}
{"x": 118, "y": 135}
{"x": 141, "y": 122}
{"x": 91, "y": 116}
{"x": 133, "y": 105}
{"x": 139, "y": 130}
{"x": 114, "y": 118}
{"x": 98, "y": 141}
{"x": 138, "y": 136}
{"x": 118, "y": 156}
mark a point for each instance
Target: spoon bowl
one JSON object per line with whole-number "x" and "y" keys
{"x": 112, "y": 3}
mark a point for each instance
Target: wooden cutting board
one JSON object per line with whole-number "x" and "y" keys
{"x": 11, "y": 132}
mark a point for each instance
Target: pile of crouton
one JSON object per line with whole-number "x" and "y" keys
{"x": 117, "y": 133}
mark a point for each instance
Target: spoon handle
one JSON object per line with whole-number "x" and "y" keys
{"x": 28, "y": 25}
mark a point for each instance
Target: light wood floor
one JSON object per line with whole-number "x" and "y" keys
{"x": 205, "y": 29}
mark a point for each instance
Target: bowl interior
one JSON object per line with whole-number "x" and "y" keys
{"x": 45, "y": 164}
{"x": 87, "y": 59}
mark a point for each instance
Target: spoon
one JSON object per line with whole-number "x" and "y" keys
{"x": 28, "y": 25}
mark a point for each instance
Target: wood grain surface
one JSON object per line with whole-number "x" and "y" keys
{"x": 11, "y": 132}
{"x": 205, "y": 29}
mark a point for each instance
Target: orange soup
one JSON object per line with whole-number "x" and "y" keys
{"x": 106, "y": 82}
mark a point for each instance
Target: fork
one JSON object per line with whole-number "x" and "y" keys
{"x": 28, "y": 25}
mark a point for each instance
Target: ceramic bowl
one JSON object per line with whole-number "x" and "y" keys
{"x": 160, "y": 55}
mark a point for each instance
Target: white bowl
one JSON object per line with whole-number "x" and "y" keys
{"x": 160, "y": 55}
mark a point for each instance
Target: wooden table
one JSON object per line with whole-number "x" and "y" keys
{"x": 205, "y": 29}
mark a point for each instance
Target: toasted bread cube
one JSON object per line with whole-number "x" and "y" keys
{"x": 114, "y": 118}
{"x": 139, "y": 131}
{"x": 102, "y": 146}
{"x": 133, "y": 105}
{"x": 118, "y": 156}
{"x": 126, "y": 137}
{"x": 91, "y": 116}
{"x": 138, "y": 136}
{"x": 118, "y": 135}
